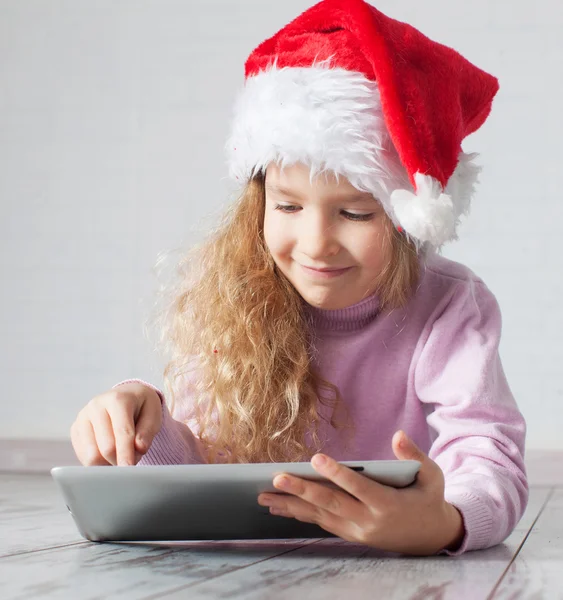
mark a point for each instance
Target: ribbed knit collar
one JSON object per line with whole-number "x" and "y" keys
{"x": 351, "y": 318}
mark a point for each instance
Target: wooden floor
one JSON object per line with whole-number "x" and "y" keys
{"x": 43, "y": 556}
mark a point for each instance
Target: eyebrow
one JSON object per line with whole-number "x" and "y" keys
{"x": 353, "y": 197}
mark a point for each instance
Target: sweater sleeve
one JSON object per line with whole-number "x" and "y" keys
{"x": 479, "y": 431}
{"x": 174, "y": 444}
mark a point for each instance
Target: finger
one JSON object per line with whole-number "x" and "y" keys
{"x": 294, "y": 507}
{"x": 105, "y": 440}
{"x": 364, "y": 489}
{"x": 84, "y": 443}
{"x": 148, "y": 425}
{"x": 405, "y": 449}
{"x": 123, "y": 425}
{"x": 321, "y": 496}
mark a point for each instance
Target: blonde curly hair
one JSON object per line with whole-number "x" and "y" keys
{"x": 238, "y": 343}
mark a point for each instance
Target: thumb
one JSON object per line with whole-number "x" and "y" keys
{"x": 405, "y": 449}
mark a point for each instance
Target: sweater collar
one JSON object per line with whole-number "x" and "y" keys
{"x": 351, "y": 318}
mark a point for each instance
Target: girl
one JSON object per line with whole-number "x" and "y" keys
{"x": 320, "y": 316}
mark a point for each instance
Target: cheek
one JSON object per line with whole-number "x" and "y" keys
{"x": 273, "y": 235}
{"x": 372, "y": 250}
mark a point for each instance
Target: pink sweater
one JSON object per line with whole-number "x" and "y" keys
{"x": 431, "y": 369}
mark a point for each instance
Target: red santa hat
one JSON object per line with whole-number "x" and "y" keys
{"x": 344, "y": 88}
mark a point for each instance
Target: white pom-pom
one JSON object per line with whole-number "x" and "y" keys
{"x": 428, "y": 215}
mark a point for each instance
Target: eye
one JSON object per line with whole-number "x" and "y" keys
{"x": 291, "y": 208}
{"x": 358, "y": 217}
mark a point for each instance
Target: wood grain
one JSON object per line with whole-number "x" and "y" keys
{"x": 334, "y": 569}
{"x": 33, "y": 515}
{"x": 94, "y": 571}
{"x": 42, "y": 555}
{"x": 537, "y": 571}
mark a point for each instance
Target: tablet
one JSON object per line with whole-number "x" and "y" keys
{"x": 196, "y": 502}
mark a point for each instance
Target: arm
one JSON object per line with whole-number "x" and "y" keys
{"x": 480, "y": 432}
{"x": 174, "y": 444}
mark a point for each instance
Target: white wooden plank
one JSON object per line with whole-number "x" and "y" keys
{"x": 43, "y": 555}
{"x": 537, "y": 571}
{"x": 333, "y": 569}
{"x": 33, "y": 515}
{"x": 246, "y": 569}
{"x": 93, "y": 571}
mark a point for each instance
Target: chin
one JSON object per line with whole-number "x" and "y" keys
{"x": 321, "y": 300}
{"x": 320, "y": 296}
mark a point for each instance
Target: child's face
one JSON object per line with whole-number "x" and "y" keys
{"x": 324, "y": 225}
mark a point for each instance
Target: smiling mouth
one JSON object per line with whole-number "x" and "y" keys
{"x": 326, "y": 270}
{"x": 325, "y": 273}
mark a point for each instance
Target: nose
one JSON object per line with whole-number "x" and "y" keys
{"x": 317, "y": 238}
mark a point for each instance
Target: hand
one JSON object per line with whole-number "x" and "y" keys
{"x": 414, "y": 520}
{"x": 117, "y": 427}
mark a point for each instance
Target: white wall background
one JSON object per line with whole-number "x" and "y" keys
{"x": 113, "y": 115}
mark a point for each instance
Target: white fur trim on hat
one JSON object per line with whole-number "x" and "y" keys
{"x": 331, "y": 119}
{"x": 431, "y": 215}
